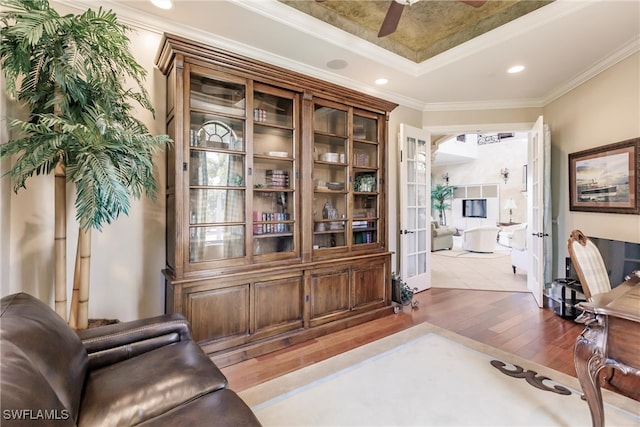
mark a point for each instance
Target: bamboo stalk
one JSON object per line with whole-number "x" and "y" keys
{"x": 60, "y": 240}
{"x": 73, "y": 312}
{"x": 85, "y": 267}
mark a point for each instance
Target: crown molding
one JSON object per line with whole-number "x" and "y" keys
{"x": 617, "y": 56}
{"x": 302, "y": 22}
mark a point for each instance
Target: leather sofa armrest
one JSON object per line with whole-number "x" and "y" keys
{"x": 110, "y": 344}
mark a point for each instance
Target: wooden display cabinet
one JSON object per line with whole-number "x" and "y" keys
{"x": 276, "y": 202}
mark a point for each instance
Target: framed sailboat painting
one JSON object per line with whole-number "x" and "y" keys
{"x": 606, "y": 178}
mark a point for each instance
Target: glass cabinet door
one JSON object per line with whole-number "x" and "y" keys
{"x": 366, "y": 176}
{"x": 217, "y": 181}
{"x": 274, "y": 142}
{"x": 330, "y": 176}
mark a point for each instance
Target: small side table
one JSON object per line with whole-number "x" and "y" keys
{"x": 567, "y": 309}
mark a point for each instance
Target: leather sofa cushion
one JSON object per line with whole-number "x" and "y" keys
{"x": 48, "y": 344}
{"x": 27, "y": 398}
{"x": 222, "y": 408}
{"x": 148, "y": 385}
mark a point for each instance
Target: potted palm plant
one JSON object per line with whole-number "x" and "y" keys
{"x": 73, "y": 75}
{"x": 440, "y": 195}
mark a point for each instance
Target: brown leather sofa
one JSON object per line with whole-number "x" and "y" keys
{"x": 145, "y": 372}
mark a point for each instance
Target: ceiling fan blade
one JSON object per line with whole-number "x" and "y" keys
{"x": 474, "y": 3}
{"x": 391, "y": 19}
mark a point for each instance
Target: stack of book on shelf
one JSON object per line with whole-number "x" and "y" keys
{"x": 277, "y": 178}
{"x": 359, "y": 224}
{"x": 361, "y": 159}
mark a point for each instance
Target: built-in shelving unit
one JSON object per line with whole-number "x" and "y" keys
{"x": 276, "y": 196}
{"x": 487, "y": 192}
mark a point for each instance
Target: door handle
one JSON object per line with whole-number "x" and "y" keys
{"x": 406, "y": 232}
{"x": 540, "y": 234}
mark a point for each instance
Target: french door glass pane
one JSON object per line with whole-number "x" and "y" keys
{"x": 411, "y": 194}
{"x": 422, "y": 240}
{"x": 422, "y": 263}
{"x": 421, "y": 195}
{"x": 411, "y": 218}
{"x": 411, "y": 265}
{"x": 411, "y": 171}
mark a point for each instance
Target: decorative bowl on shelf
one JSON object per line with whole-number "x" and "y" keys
{"x": 335, "y": 185}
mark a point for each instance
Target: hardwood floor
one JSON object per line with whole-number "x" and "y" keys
{"x": 510, "y": 321}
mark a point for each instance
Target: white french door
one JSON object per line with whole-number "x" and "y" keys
{"x": 415, "y": 206}
{"x": 539, "y": 229}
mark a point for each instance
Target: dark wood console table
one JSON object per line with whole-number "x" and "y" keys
{"x": 611, "y": 338}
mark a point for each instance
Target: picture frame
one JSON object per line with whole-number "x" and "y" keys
{"x": 606, "y": 179}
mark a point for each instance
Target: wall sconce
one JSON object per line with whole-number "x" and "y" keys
{"x": 505, "y": 174}
{"x": 445, "y": 177}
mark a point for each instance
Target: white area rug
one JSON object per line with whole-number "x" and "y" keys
{"x": 456, "y": 253}
{"x": 468, "y": 272}
{"x": 425, "y": 376}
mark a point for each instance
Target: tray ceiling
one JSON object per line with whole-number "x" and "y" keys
{"x": 426, "y": 28}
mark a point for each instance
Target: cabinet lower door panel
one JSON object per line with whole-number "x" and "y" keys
{"x": 368, "y": 285}
{"x": 219, "y": 313}
{"x": 329, "y": 294}
{"x": 278, "y": 306}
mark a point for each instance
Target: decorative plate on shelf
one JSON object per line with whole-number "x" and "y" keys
{"x": 335, "y": 185}
{"x": 216, "y": 134}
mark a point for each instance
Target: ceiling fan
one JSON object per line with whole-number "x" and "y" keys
{"x": 392, "y": 18}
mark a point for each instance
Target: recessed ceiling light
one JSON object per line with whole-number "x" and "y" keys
{"x": 382, "y": 81}
{"x": 162, "y": 4}
{"x": 515, "y": 69}
{"x": 337, "y": 64}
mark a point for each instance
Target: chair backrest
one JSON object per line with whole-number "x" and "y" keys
{"x": 587, "y": 260}
{"x": 519, "y": 237}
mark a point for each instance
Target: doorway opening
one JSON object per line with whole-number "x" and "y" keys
{"x": 487, "y": 172}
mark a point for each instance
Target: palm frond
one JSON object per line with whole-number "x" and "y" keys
{"x": 72, "y": 72}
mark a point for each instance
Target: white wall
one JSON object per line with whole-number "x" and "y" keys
{"x": 604, "y": 110}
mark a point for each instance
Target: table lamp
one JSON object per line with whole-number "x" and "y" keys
{"x": 510, "y": 205}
